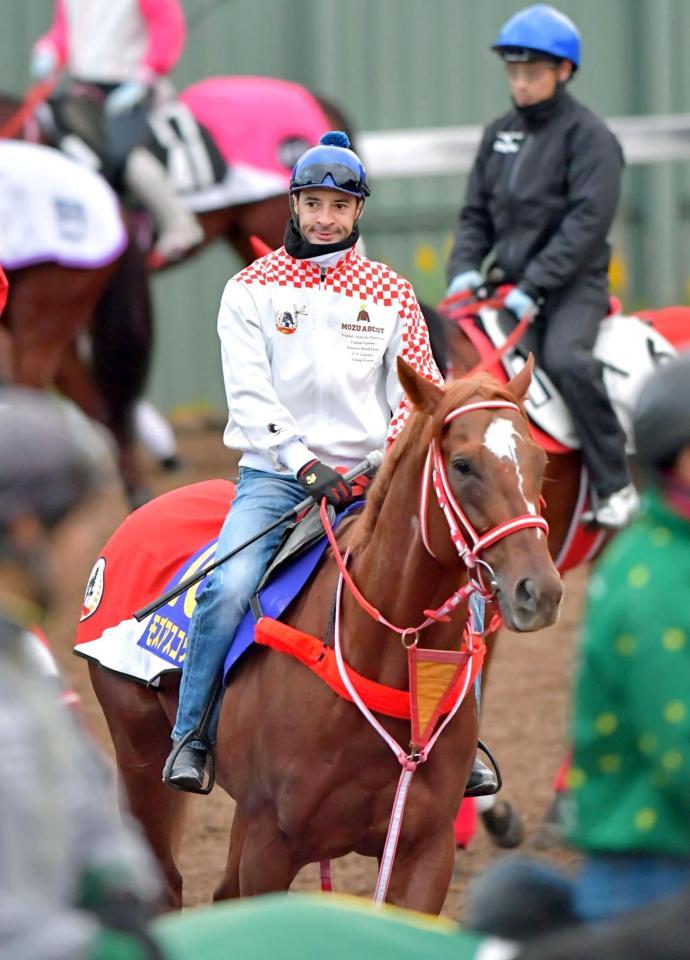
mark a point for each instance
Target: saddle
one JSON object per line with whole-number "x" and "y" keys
{"x": 297, "y": 538}
{"x": 171, "y": 132}
{"x": 628, "y": 348}
{"x": 291, "y": 568}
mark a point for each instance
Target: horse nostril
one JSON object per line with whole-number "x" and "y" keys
{"x": 525, "y": 594}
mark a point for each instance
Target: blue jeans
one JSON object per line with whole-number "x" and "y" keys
{"x": 222, "y": 603}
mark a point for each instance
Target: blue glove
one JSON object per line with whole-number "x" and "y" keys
{"x": 521, "y": 304}
{"x": 470, "y": 280}
{"x": 125, "y": 97}
{"x": 44, "y": 63}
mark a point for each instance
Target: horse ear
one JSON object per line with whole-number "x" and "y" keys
{"x": 519, "y": 385}
{"x": 424, "y": 395}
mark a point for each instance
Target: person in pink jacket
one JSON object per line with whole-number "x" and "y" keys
{"x": 125, "y": 48}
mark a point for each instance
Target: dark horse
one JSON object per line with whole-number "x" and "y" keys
{"x": 311, "y": 779}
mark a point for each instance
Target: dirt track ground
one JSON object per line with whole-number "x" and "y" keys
{"x": 523, "y": 716}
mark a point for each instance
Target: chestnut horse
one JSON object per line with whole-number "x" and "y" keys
{"x": 311, "y": 779}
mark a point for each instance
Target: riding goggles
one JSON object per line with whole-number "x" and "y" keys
{"x": 336, "y": 176}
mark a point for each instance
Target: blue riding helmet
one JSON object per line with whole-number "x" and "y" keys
{"x": 537, "y": 30}
{"x": 331, "y": 165}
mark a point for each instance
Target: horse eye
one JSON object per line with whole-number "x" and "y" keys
{"x": 463, "y": 467}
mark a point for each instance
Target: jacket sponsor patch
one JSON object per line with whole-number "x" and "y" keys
{"x": 508, "y": 141}
{"x": 287, "y": 321}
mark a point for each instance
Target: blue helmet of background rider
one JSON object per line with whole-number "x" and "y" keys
{"x": 331, "y": 165}
{"x": 537, "y": 32}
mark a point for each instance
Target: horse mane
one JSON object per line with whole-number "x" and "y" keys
{"x": 416, "y": 435}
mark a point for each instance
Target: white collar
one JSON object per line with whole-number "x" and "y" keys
{"x": 329, "y": 259}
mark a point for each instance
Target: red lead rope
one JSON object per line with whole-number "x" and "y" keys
{"x": 35, "y": 96}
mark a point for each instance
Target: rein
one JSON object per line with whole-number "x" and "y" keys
{"x": 466, "y": 663}
{"x": 471, "y": 310}
{"x": 456, "y": 519}
{"x": 34, "y": 97}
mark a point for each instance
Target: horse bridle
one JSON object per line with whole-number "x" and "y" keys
{"x": 461, "y": 530}
{"x": 434, "y": 473}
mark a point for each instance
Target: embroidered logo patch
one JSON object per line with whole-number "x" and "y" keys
{"x": 363, "y": 316}
{"x": 508, "y": 141}
{"x": 288, "y": 320}
{"x": 94, "y": 590}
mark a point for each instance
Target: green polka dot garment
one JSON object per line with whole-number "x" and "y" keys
{"x": 630, "y": 777}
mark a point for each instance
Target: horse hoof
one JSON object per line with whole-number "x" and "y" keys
{"x": 504, "y": 825}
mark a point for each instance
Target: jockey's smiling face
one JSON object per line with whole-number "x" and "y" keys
{"x": 536, "y": 80}
{"x": 326, "y": 216}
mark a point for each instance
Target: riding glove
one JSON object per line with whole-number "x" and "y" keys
{"x": 521, "y": 305}
{"x": 468, "y": 281}
{"x": 320, "y": 480}
{"x": 125, "y": 97}
{"x": 44, "y": 63}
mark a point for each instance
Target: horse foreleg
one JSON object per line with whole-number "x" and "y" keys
{"x": 140, "y": 730}
{"x": 422, "y": 873}
{"x": 75, "y": 381}
{"x": 229, "y": 887}
{"x": 266, "y": 864}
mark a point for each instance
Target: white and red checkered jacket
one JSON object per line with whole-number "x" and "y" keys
{"x": 309, "y": 359}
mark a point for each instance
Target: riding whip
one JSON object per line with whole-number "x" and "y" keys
{"x": 367, "y": 467}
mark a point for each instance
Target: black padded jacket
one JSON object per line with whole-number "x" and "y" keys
{"x": 542, "y": 195}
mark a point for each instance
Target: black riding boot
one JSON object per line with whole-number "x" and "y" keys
{"x": 482, "y": 782}
{"x": 185, "y": 768}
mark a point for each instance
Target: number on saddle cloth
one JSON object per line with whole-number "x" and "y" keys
{"x": 185, "y": 147}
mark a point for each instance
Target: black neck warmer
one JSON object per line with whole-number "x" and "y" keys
{"x": 537, "y": 114}
{"x": 301, "y": 249}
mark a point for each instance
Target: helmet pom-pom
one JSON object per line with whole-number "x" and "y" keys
{"x": 335, "y": 138}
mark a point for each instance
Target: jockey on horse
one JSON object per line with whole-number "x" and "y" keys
{"x": 123, "y": 49}
{"x": 541, "y": 198}
{"x": 309, "y": 339}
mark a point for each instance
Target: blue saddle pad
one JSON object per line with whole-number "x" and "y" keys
{"x": 282, "y": 590}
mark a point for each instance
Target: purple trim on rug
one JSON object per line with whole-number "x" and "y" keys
{"x": 69, "y": 262}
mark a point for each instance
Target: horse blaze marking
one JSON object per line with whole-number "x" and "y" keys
{"x": 500, "y": 439}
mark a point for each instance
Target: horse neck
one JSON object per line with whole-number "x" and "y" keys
{"x": 402, "y": 580}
